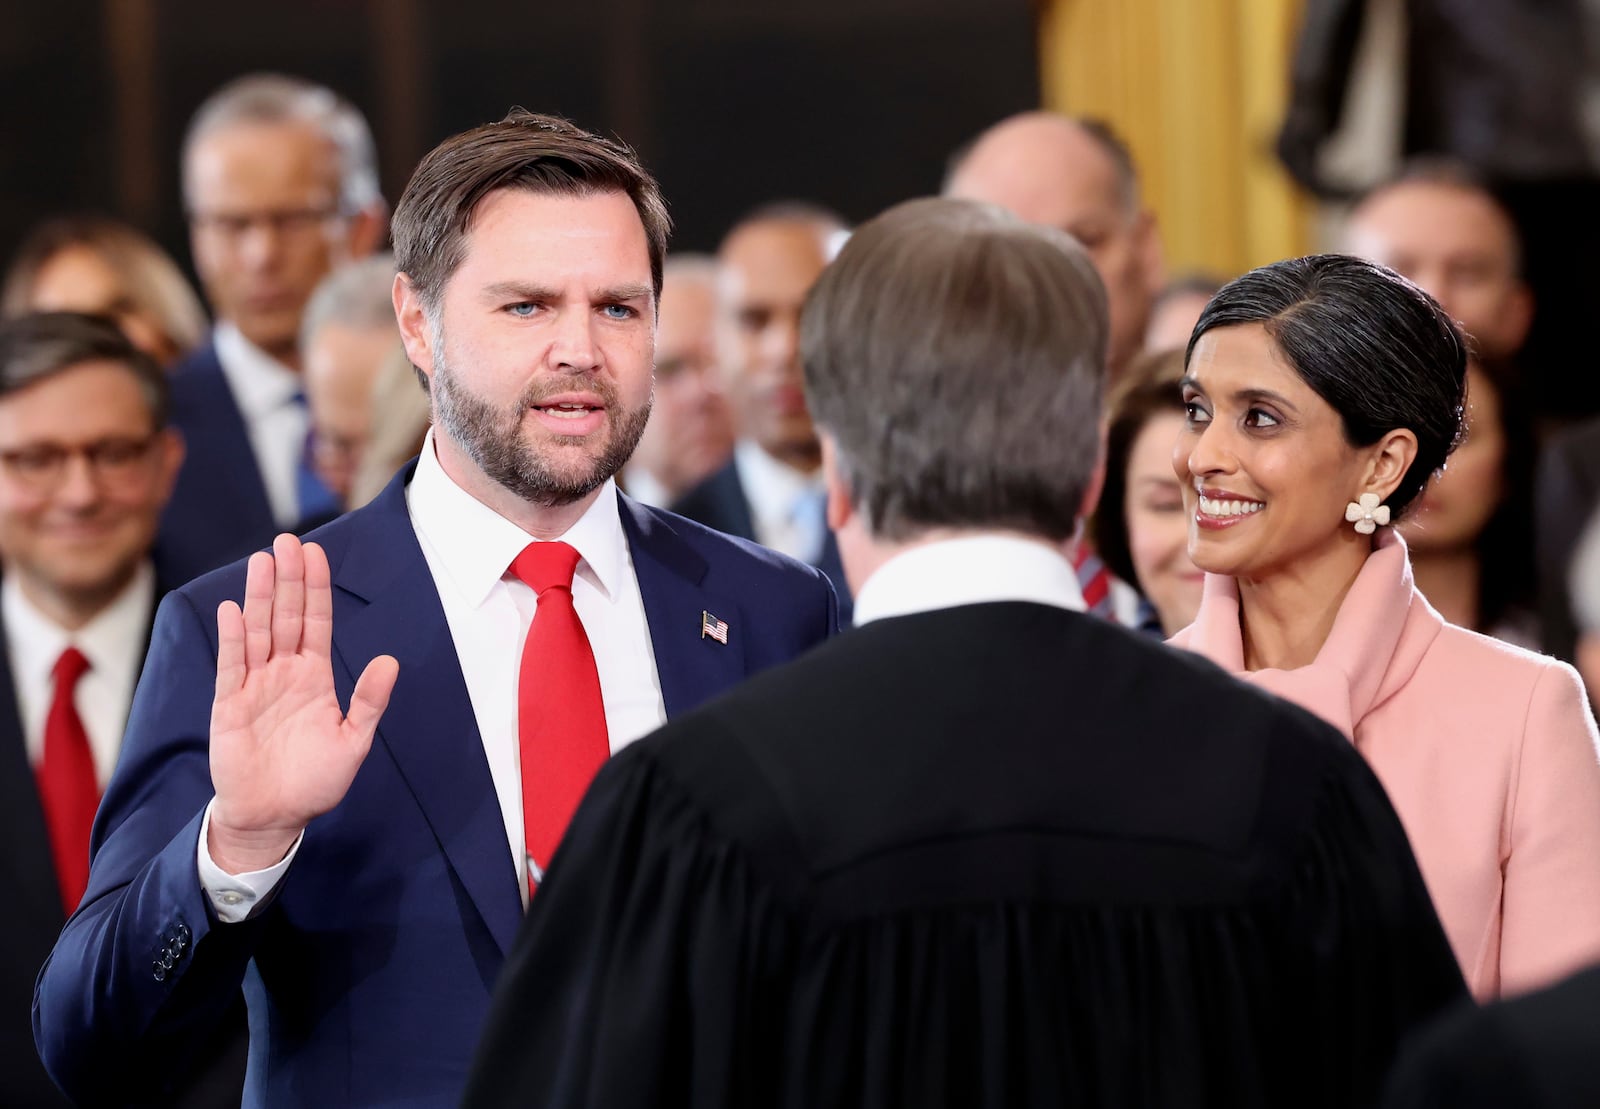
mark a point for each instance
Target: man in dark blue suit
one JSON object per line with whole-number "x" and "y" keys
{"x": 343, "y": 794}
{"x": 771, "y": 490}
{"x": 281, "y": 186}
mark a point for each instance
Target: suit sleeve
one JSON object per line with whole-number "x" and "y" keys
{"x": 142, "y": 971}
{"x": 1551, "y": 898}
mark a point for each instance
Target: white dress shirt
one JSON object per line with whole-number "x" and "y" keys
{"x": 275, "y": 421}
{"x": 783, "y": 502}
{"x": 971, "y": 570}
{"x": 113, "y": 642}
{"x": 469, "y": 549}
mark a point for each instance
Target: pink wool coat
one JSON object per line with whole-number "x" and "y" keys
{"x": 1487, "y": 751}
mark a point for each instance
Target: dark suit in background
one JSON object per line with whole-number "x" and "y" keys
{"x": 720, "y": 502}
{"x": 1537, "y": 1051}
{"x": 995, "y": 855}
{"x": 1566, "y": 496}
{"x": 219, "y": 510}
{"x": 28, "y": 930}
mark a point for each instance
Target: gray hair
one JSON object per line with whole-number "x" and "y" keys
{"x": 357, "y": 295}
{"x": 277, "y": 98}
{"x": 956, "y": 356}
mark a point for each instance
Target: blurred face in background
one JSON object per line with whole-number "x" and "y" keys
{"x": 1459, "y": 246}
{"x": 78, "y": 279}
{"x": 84, "y": 475}
{"x": 266, "y": 226}
{"x": 690, "y": 433}
{"x": 1158, "y": 530}
{"x": 1173, "y": 319}
{"x": 1048, "y": 170}
{"x": 764, "y": 271}
{"x": 341, "y": 365}
{"x": 1459, "y": 502}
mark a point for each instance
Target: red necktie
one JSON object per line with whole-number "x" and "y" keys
{"x": 66, "y": 781}
{"x": 561, "y": 719}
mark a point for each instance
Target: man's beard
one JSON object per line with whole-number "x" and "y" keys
{"x": 492, "y": 437}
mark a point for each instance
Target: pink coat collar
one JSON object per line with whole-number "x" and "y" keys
{"x": 1383, "y": 629}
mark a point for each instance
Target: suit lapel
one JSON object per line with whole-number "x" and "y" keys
{"x": 692, "y": 666}
{"x": 385, "y": 602}
{"x": 27, "y": 855}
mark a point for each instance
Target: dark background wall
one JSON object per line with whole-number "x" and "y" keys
{"x": 853, "y": 103}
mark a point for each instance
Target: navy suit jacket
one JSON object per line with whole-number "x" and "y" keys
{"x": 369, "y": 974}
{"x": 30, "y": 925}
{"x": 720, "y": 502}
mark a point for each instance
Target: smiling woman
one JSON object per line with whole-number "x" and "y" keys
{"x": 1321, "y": 396}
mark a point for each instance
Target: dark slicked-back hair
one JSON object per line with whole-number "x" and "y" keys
{"x": 956, "y": 356}
{"x": 535, "y": 153}
{"x": 41, "y": 345}
{"x": 1370, "y": 343}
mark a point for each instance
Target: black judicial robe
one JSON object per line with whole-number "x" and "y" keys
{"x": 994, "y": 855}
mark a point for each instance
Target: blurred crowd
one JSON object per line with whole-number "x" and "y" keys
{"x": 284, "y": 398}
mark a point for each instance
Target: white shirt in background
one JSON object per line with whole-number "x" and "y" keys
{"x": 114, "y": 642}
{"x": 275, "y": 421}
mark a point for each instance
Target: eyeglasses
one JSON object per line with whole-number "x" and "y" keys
{"x": 280, "y": 221}
{"x": 42, "y": 467}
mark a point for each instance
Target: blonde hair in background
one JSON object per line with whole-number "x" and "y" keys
{"x": 149, "y": 277}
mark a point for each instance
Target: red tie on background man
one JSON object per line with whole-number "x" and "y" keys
{"x": 561, "y": 719}
{"x": 66, "y": 781}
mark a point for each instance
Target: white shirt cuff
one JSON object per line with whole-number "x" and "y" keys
{"x": 238, "y": 897}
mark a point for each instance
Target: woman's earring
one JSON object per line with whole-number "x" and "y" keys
{"x": 1367, "y": 514}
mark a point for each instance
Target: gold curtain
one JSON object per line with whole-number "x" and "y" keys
{"x": 1197, "y": 89}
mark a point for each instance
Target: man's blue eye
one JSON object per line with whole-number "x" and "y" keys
{"x": 619, "y": 311}
{"x": 523, "y": 310}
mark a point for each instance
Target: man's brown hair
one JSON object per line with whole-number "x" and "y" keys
{"x": 535, "y": 153}
{"x": 956, "y": 356}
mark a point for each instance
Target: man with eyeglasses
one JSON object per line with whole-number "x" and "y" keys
{"x": 86, "y": 464}
{"x": 281, "y": 187}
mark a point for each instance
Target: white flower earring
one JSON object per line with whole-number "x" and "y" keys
{"x": 1367, "y": 514}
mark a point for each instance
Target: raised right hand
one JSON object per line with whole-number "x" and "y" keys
{"x": 282, "y": 751}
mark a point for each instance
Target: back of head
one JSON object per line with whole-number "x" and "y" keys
{"x": 270, "y": 98}
{"x": 1378, "y": 349}
{"x": 537, "y": 153}
{"x": 357, "y": 295}
{"x": 956, "y": 357}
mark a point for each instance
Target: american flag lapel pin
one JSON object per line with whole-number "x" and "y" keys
{"x": 716, "y": 629}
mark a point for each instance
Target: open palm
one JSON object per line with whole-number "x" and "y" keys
{"x": 282, "y": 751}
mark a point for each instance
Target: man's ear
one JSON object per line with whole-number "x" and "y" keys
{"x": 1518, "y": 317}
{"x": 841, "y": 503}
{"x": 1152, "y": 257}
{"x": 412, "y": 316}
{"x": 366, "y": 229}
{"x": 1097, "y": 479}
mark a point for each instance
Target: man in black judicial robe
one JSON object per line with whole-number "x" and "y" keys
{"x": 984, "y": 850}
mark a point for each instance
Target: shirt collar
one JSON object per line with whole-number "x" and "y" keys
{"x": 259, "y": 382}
{"x": 113, "y": 641}
{"x": 975, "y": 569}
{"x": 476, "y": 544}
{"x": 773, "y": 488}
